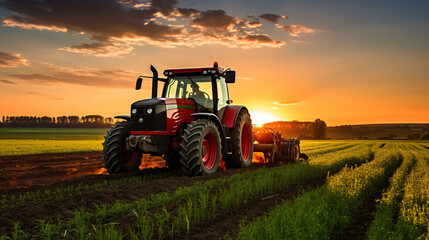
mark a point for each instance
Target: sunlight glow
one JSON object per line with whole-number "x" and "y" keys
{"x": 259, "y": 118}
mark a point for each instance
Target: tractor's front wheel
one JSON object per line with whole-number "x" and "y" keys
{"x": 116, "y": 157}
{"x": 241, "y": 143}
{"x": 200, "y": 149}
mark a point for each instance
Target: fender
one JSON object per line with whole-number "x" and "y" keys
{"x": 231, "y": 114}
{"x": 216, "y": 120}
{"x": 125, "y": 117}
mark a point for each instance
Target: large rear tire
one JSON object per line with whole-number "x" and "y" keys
{"x": 200, "y": 149}
{"x": 116, "y": 157}
{"x": 241, "y": 143}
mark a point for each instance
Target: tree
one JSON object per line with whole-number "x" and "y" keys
{"x": 319, "y": 129}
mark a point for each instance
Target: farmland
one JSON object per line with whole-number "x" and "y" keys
{"x": 347, "y": 189}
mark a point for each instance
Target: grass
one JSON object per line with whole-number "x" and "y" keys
{"x": 29, "y": 141}
{"x": 53, "y": 133}
{"x": 324, "y": 212}
{"x": 29, "y": 147}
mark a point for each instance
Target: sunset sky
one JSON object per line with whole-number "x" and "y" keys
{"x": 346, "y": 62}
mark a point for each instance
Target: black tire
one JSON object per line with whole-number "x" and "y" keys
{"x": 116, "y": 157}
{"x": 295, "y": 147}
{"x": 172, "y": 159}
{"x": 237, "y": 159}
{"x": 303, "y": 156}
{"x": 197, "y": 133}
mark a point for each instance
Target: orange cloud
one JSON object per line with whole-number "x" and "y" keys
{"x": 6, "y": 81}
{"x": 286, "y": 102}
{"x": 79, "y": 76}
{"x": 12, "y": 60}
{"x": 296, "y": 30}
{"x": 101, "y": 49}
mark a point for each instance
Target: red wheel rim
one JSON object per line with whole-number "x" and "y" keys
{"x": 295, "y": 153}
{"x": 246, "y": 141}
{"x": 129, "y": 158}
{"x": 209, "y": 151}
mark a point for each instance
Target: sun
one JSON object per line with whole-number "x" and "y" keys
{"x": 259, "y": 118}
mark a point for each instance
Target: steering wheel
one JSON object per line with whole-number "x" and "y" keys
{"x": 206, "y": 94}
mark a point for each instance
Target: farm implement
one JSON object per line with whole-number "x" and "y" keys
{"x": 193, "y": 125}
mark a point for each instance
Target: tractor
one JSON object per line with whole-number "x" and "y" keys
{"x": 192, "y": 125}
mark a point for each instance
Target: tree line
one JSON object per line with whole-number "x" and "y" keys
{"x": 303, "y": 130}
{"x": 88, "y": 121}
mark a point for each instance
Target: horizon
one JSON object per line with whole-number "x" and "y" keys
{"x": 345, "y": 63}
{"x": 328, "y": 125}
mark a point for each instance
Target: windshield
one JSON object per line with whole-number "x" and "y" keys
{"x": 198, "y": 88}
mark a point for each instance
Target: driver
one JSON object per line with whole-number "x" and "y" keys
{"x": 198, "y": 95}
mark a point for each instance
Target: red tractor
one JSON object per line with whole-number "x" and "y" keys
{"x": 193, "y": 126}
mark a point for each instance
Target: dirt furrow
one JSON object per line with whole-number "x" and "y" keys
{"x": 229, "y": 224}
{"x": 63, "y": 207}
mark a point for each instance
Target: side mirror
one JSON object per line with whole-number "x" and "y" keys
{"x": 230, "y": 77}
{"x": 139, "y": 83}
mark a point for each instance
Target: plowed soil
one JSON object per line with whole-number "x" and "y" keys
{"x": 39, "y": 170}
{"x": 24, "y": 174}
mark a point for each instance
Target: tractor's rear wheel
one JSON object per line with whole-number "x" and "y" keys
{"x": 200, "y": 149}
{"x": 241, "y": 143}
{"x": 116, "y": 157}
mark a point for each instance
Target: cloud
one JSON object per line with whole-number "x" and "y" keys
{"x": 214, "y": 19}
{"x": 53, "y": 74}
{"x": 6, "y": 81}
{"x": 263, "y": 40}
{"x": 286, "y": 102}
{"x": 12, "y": 60}
{"x": 39, "y": 94}
{"x": 274, "y": 18}
{"x": 116, "y": 26}
{"x": 296, "y": 30}
{"x": 101, "y": 49}
{"x": 245, "y": 78}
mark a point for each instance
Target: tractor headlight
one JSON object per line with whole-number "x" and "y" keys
{"x": 170, "y": 73}
{"x": 149, "y": 110}
{"x": 213, "y": 71}
{"x": 134, "y": 111}
{"x": 204, "y": 72}
{"x": 165, "y": 73}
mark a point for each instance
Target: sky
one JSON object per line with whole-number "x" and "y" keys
{"x": 346, "y": 62}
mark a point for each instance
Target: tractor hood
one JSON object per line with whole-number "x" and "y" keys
{"x": 148, "y": 115}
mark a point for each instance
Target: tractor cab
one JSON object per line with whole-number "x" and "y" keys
{"x": 207, "y": 87}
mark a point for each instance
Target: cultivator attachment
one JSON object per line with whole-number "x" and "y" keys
{"x": 269, "y": 141}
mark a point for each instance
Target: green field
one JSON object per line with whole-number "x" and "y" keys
{"x": 386, "y": 181}
{"x": 28, "y": 141}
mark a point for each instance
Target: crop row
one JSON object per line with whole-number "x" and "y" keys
{"x": 71, "y": 190}
{"x": 413, "y": 219}
{"x": 198, "y": 201}
{"x": 60, "y": 192}
{"x": 387, "y": 210}
{"x": 326, "y": 211}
